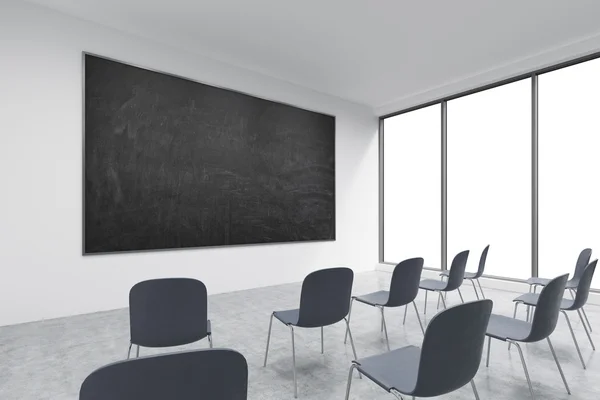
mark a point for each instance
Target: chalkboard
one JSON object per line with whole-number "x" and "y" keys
{"x": 172, "y": 163}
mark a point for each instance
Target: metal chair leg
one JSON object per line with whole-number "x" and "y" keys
{"x": 573, "y": 292}
{"x": 487, "y": 361}
{"x": 425, "y": 307}
{"x": 294, "y": 362}
{"x": 418, "y": 317}
{"x": 405, "y": 310}
{"x": 524, "y": 368}
{"x": 268, "y": 339}
{"x": 438, "y": 303}
{"x": 529, "y": 307}
{"x": 322, "y": 342}
{"x": 397, "y": 394}
{"x": 514, "y": 316}
{"x": 210, "y": 342}
{"x": 349, "y": 315}
{"x": 352, "y": 343}
{"x": 352, "y": 368}
{"x": 562, "y": 375}
{"x": 474, "y": 389}
{"x": 586, "y": 331}
{"x": 129, "y": 350}
{"x": 460, "y": 294}
{"x": 444, "y": 302}
{"x": 480, "y": 288}
{"x": 387, "y": 340}
{"x": 586, "y": 319}
{"x": 475, "y": 288}
{"x": 574, "y": 338}
{"x": 137, "y": 352}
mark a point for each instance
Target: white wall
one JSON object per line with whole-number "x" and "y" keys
{"x": 42, "y": 272}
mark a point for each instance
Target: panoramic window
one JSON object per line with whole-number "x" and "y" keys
{"x": 489, "y": 178}
{"x": 569, "y": 167}
{"x": 412, "y": 186}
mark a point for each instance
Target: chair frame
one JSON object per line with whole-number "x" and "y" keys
{"x": 564, "y": 312}
{"x": 584, "y": 257}
{"x": 208, "y": 335}
{"x": 524, "y": 364}
{"x": 439, "y": 292}
{"x": 478, "y": 274}
{"x": 382, "y": 307}
{"x": 396, "y": 393}
{"x": 294, "y": 345}
{"x": 127, "y": 378}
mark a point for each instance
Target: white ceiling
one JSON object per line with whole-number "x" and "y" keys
{"x": 372, "y": 52}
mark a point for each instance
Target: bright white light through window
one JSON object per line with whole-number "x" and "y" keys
{"x": 489, "y": 178}
{"x": 412, "y": 186}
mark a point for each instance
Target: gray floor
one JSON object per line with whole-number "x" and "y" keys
{"x": 50, "y": 359}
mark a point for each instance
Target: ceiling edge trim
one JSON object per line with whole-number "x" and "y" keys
{"x": 546, "y": 58}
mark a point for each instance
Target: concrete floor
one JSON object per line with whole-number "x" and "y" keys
{"x": 50, "y": 359}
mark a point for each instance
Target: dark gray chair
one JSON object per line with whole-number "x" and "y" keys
{"x": 448, "y": 360}
{"x": 168, "y": 312}
{"x": 324, "y": 300}
{"x": 215, "y": 374}
{"x": 404, "y": 288}
{"x": 455, "y": 279}
{"x": 474, "y": 276}
{"x": 581, "y": 297}
{"x": 582, "y": 261}
{"x": 545, "y": 317}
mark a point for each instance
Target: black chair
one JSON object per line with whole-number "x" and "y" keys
{"x": 581, "y": 297}
{"x": 168, "y": 312}
{"x": 448, "y": 360}
{"x": 474, "y": 276}
{"x": 455, "y": 279}
{"x": 325, "y": 300}
{"x": 545, "y": 317}
{"x": 215, "y": 374}
{"x": 582, "y": 261}
{"x": 404, "y": 288}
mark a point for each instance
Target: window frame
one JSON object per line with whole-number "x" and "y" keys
{"x": 533, "y": 76}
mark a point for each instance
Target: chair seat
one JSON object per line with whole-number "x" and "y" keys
{"x": 396, "y": 369}
{"x": 503, "y": 328}
{"x": 432, "y": 284}
{"x": 531, "y": 299}
{"x": 374, "y": 299}
{"x": 288, "y": 317}
{"x": 538, "y": 281}
{"x": 573, "y": 283}
{"x": 468, "y": 275}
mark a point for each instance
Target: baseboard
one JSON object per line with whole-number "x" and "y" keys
{"x": 491, "y": 283}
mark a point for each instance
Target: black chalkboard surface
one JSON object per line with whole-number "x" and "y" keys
{"x": 172, "y": 163}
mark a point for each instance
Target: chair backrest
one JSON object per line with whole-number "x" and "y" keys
{"x": 452, "y": 348}
{"x": 482, "y": 261}
{"x": 404, "y": 286}
{"x": 325, "y": 297}
{"x": 546, "y": 312}
{"x": 168, "y": 312}
{"x": 211, "y": 374}
{"x": 582, "y": 261}
{"x": 457, "y": 270}
{"x": 583, "y": 289}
